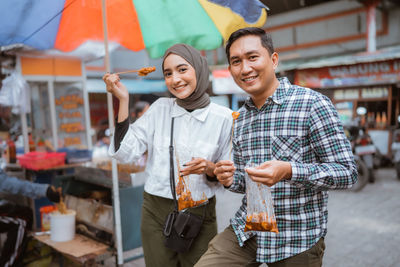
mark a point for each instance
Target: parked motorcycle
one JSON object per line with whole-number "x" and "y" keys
{"x": 363, "y": 174}
{"x": 396, "y": 150}
{"x": 362, "y": 169}
{"x": 366, "y": 150}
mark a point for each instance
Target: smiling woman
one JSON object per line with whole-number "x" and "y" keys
{"x": 180, "y": 76}
{"x": 195, "y": 125}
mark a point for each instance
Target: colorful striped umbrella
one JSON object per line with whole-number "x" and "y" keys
{"x": 66, "y": 25}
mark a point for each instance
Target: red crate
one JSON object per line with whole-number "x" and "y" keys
{"x": 41, "y": 160}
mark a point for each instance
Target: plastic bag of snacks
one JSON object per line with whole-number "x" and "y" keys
{"x": 187, "y": 187}
{"x": 260, "y": 207}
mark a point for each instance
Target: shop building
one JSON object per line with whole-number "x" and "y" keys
{"x": 371, "y": 81}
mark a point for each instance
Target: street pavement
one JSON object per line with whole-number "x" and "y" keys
{"x": 363, "y": 227}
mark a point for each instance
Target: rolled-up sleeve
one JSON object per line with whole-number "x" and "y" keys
{"x": 238, "y": 185}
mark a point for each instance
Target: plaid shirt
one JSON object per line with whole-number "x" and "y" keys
{"x": 302, "y": 127}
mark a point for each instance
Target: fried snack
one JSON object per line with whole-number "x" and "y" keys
{"x": 146, "y": 70}
{"x": 185, "y": 201}
{"x": 62, "y": 208}
{"x": 235, "y": 115}
{"x": 260, "y": 222}
{"x": 180, "y": 186}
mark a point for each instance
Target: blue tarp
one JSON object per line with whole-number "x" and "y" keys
{"x": 134, "y": 86}
{"x": 23, "y": 22}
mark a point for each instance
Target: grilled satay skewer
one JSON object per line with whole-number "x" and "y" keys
{"x": 141, "y": 72}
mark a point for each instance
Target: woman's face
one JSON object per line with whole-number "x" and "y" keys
{"x": 180, "y": 76}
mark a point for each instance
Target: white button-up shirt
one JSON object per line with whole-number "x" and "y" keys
{"x": 202, "y": 133}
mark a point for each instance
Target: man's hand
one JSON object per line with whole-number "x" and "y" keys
{"x": 198, "y": 166}
{"x": 53, "y": 194}
{"x": 270, "y": 172}
{"x": 224, "y": 171}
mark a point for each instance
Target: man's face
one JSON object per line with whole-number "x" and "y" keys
{"x": 251, "y": 66}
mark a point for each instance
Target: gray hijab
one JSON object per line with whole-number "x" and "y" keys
{"x": 199, "y": 98}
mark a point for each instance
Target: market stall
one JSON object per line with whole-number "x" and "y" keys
{"x": 60, "y": 107}
{"x": 59, "y": 120}
{"x": 371, "y": 82}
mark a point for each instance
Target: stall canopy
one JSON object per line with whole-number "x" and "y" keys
{"x": 133, "y": 24}
{"x": 380, "y": 67}
{"x": 380, "y": 55}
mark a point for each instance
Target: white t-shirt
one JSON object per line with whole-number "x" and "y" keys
{"x": 202, "y": 133}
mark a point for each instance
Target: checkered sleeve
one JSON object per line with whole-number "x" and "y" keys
{"x": 238, "y": 185}
{"x": 335, "y": 168}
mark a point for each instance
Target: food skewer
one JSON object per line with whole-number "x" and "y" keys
{"x": 179, "y": 168}
{"x": 141, "y": 72}
{"x": 235, "y": 115}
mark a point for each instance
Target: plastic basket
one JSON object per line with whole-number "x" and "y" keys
{"x": 41, "y": 160}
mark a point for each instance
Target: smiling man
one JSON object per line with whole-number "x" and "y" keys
{"x": 294, "y": 137}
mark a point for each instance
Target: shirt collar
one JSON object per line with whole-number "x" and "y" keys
{"x": 281, "y": 92}
{"x": 199, "y": 114}
{"x": 278, "y": 96}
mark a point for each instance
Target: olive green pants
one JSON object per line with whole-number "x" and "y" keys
{"x": 224, "y": 250}
{"x": 154, "y": 212}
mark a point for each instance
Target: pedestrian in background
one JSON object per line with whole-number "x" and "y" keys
{"x": 139, "y": 176}
{"x": 200, "y": 125}
{"x": 139, "y": 108}
{"x": 296, "y": 137}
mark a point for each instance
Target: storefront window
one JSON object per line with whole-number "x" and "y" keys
{"x": 40, "y": 122}
{"x": 70, "y": 115}
{"x": 346, "y": 94}
{"x": 374, "y": 92}
{"x": 345, "y": 111}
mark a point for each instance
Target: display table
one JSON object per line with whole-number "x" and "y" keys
{"x": 81, "y": 250}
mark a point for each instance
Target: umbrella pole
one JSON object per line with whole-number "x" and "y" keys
{"x": 24, "y": 125}
{"x": 117, "y": 211}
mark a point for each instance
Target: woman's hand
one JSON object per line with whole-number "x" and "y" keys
{"x": 198, "y": 166}
{"x": 115, "y": 87}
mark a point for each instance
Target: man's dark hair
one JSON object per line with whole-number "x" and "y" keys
{"x": 266, "y": 40}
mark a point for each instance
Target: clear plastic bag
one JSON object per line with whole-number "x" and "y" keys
{"x": 187, "y": 187}
{"x": 260, "y": 207}
{"x": 15, "y": 92}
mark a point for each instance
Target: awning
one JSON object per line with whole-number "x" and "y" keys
{"x": 134, "y": 86}
{"x": 380, "y": 55}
